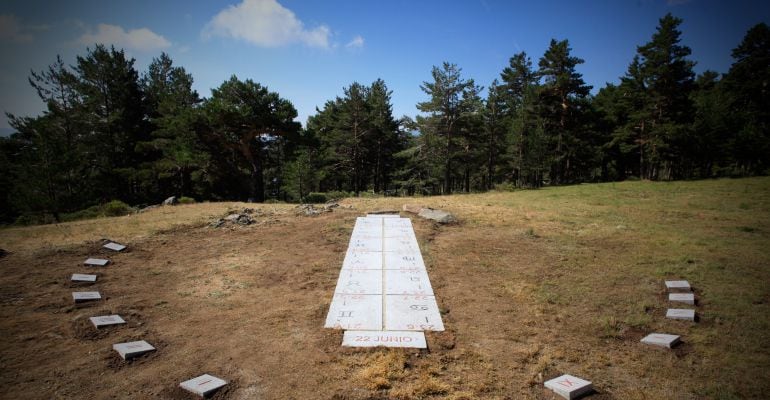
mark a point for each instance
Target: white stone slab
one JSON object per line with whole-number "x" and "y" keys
{"x": 384, "y": 339}
{"x": 83, "y": 278}
{"x": 364, "y": 221}
{"x": 413, "y": 282}
{"x": 357, "y": 312}
{"x": 359, "y": 281}
{"x": 114, "y": 246}
{"x": 80, "y": 297}
{"x": 661, "y": 339}
{"x": 203, "y": 385}
{"x": 96, "y": 262}
{"x": 397, "y": 223}
{"x": 570, "y": 387}
{"x": 362, "y": 260}
{"x": 681, "y": 313}
{"x": 131, "y": 350}
{"x": 403, "y": 261}
{"x": 383, "y": 216}
{"x": 406, "y": 234}
{"x": 365, "y": 244}
{"x": 400, "y": 245}
{"x": 687, "y": 298}
{"x": 412, "y": 313}
{"x": 106, "y": 320}
{"x": 678, "y": 286}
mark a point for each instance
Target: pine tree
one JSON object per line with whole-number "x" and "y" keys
{"x": 560, "y": 99}
{"x": 667, "y": 79}
{"x": 748, "y": 85}
{"x": 446, "y": 108}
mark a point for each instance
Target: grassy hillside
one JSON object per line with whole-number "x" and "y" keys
{"x": 532, "y": 284}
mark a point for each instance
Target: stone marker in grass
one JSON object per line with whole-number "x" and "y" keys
{"x": 106, "y": 320}
{"x": 131, "y": 350}
{"x": 203, "y": 385}
{"x": 687, "y": 298}
{"x": 678, "y": 286}
{"x": 96, "y": 262}
{"x": 81, "y": 297}
{"x": 83, "y": 278}
{"x": 114, "y": 246}
{"x": 681, "y": 313}
{"x": 569, "y": 387}
{"x": 661, "y": 339}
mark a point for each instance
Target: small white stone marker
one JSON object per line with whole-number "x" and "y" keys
{"x": 114, "y": 246}
{"x": 131, "y": 350}
{"x": 106, "y": 320}
{"x": 568, "y": 386}
{"x": 687, "y": 298}
{"x": 661, "y": 339}
{"x": 678, "y": 286}
{"x": 80, "y": 297}
{"x": 203, "y": 385}
{"x": 96, "y": 262}
{"x": 83, "y": 278}
{"x": 681, "y": 313}
{"x": 385, "y": 339}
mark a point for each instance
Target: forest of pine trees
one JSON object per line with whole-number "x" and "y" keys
{"x": 110, "y": 132}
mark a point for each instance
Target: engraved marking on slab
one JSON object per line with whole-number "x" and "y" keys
{"x": 687, "y": 298}
{"x": 681, "y": 313}
{"x": 412, "y": 313}
{"x": 661, "y": 339}
{"x": 362, "y": 260}
{"x": 365, "y": 245}
{"x": 114, "y": 246}
{"x": 83, "y": 278}
{"x": 403, "y": 261}
{"x": 384, "y": 339}
{"x": 96, "y": 262}
{"x": 359, "y": 281}
{"x": 678, "y": 286}
{"x": 203, "y": 385}
{"x": 80, "y": 297}
{"x": 569, "y": 387}
{"x": 362, "y": 312}
{"x": 131, "y": 350}
{"x": 408, "y": 282}
{"x": 106, "y": 320}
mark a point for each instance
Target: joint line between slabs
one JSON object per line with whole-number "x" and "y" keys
{"x": 382, "y": 238}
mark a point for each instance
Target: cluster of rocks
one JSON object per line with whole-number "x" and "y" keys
{"x": 243, "y": 217}
{"x": 311, "y": 210}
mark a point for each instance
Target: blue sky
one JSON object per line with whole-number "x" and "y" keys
{"x": 309, "y": 50}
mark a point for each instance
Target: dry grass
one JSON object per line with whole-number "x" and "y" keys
{"x": 532, "y": 284}
{"x": 126, "y": 228}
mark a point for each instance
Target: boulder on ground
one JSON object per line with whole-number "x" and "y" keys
{"x": 442, "y": 217}
{"x": 411, "y": 208}
{"x": 171, "y": 201}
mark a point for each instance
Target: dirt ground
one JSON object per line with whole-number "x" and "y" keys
{"x": 247, "y": 304}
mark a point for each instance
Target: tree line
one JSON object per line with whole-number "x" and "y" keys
{"x": 109, "y": 132}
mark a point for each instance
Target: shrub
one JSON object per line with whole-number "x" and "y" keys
{"x": 116, "y": 208}
{"x": 338, "y": 194}
{"x": 315, "y": 198}
{"x": 504, "y": 187}
{"x": 186, "y": 200}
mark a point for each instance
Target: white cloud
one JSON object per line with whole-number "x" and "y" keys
{"x": 136, "y": 39}
{"x": 11, "y": 30}
{"x": 357, "y": 42}
{"x": 265, "y": 23}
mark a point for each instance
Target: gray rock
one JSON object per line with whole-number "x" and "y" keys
{"x": 442, "y": 217}
{"x": 170, "y": 201}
